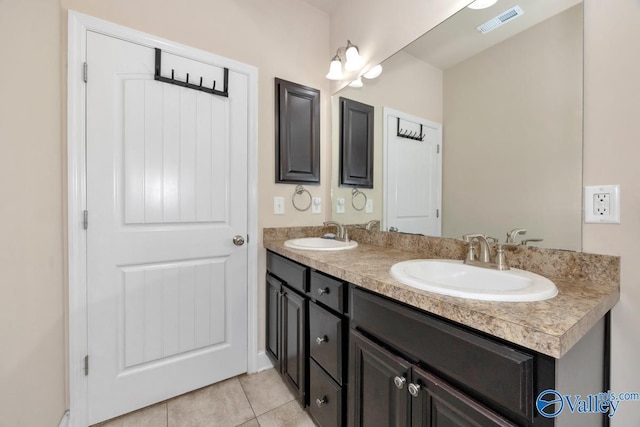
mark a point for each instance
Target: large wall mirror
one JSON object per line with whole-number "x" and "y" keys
{"x": 510, "y": 106}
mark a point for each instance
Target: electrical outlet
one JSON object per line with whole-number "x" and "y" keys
{"x": 340, "y": 205}
{"x": 602, "y": 204}
{"x": 278, "y": 205}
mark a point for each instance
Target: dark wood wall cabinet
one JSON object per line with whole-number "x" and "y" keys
{"x": 359, "y": 359}
{"x": 297, "y": 116}
{"x": 356, "y": 144}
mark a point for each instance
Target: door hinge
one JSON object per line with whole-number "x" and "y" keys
{"x": 437, "y": 213}
{"x": 85, "y": 72}
{"x": 86, "y": 365}
{"x": 438, "y": 147}
{"x": 85, "y": 219}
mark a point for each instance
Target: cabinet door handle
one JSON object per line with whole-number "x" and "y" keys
{"x": 322, "y": 291}
{"x": 322, "y": 339}
{"x": 399, "y": 382}
{"x": 414, "y": 389}
{"x": 321, "y": 401}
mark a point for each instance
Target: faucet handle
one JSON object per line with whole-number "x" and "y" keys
{"x": 469, "y": 237}
{"x": 511, "y": 235}
{"x": 526, "y": 241}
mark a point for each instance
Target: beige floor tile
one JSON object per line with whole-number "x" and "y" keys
{"x": 265, "y": 390}
{"x": 251, "y": 423}
{"x": 288, "y": 415}
{"x": 222, "y": 404}
{"x": 152, "y": 416}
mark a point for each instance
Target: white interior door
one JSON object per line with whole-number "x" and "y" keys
{"x": 166, "y": 193}
{"x": 412, "y": 175}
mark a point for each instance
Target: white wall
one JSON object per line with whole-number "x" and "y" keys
{"x": 32, "y": 368}
{"x": 611, "y": 155}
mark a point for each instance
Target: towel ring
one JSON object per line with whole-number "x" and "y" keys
{"x": 299, "y": 190}
{"x": 355, "y": 193}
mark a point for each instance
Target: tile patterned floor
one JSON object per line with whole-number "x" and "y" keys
{"x": 253, "y": 400}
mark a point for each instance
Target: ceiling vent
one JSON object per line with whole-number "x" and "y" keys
{"x": 501, "y": 19}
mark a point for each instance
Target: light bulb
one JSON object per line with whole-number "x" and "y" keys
{"x": 356, "y": 83}
{"x": 373, "y": 72}
{"x": 354, "y": 61}
{"x": 335, "y": 69}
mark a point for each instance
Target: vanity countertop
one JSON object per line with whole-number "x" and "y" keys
{"x": 550, "y": 327}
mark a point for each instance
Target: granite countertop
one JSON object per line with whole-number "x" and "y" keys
{"x": 550, "y": 327}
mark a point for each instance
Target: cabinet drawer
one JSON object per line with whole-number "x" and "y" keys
{"x": 293, "y": 274}
{"x": 325, "y": 340}
{"x": 325, "y": 397}
{"x": 470, "y": 361}
{"x": 328, "y": 291}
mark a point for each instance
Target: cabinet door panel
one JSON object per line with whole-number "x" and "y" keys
{"x": 438, "y": 404}
{"x": 274, "y": 287}
{"x": 374, "y": 398}
{"x": 293, "y": 357}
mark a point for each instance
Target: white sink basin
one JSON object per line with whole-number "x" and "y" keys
{"x": 451, "y": 277}
{"x": 320, "y": 244}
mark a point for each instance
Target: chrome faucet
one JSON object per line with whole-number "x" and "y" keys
{"x": 484, "y": 258}
{"x": 342, "y": 233}
{"x": 484, "y": 248}
{"x": 373, "y": 224}
{"x": 511, "y": 235}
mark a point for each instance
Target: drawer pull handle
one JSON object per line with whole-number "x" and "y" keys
{"x": 399, "y": 382}
{"x": 322, "y": 339}
{"x": 322, "y": 291}
{"x": 414, "y": 389}
{"x": 321, "y": 402}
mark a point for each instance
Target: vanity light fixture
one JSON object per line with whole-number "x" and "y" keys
{"x": 356, "y": 83}
{"x": 373, "y": 72}
{"x": 482, "y": 4}
{"x": 335, "y": 69}
{"x": 353, "y": 61}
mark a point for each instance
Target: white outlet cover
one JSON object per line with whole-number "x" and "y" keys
{"x": 316, "y": 207}
{"x": 590, "y": 206}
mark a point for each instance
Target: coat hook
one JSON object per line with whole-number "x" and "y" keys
{"x": 172, "y": 70}
{"x": 214, "y": 85}
{"x": 200, "y": 81}
{"x": 187, "y": 78}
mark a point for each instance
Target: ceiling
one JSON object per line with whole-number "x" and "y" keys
{"x": 328, "y": 6}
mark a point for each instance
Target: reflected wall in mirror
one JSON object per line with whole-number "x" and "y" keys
{"x": 510, "y": 104}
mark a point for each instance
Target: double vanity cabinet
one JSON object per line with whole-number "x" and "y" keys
{"x": 356, "y": 358}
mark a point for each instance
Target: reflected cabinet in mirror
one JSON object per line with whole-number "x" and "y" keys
{"x": 509, "y": 103}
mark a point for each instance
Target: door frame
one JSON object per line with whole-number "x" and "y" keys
{"x": 77, "y": 337}
{"x": 385, "y": 151}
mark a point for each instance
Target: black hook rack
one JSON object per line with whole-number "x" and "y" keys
{"x": 410, "y": 135}
{"x": 188, "y": 84}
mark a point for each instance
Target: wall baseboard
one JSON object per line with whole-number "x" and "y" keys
{"x": 64, "y": 422}
{"x": 264, "y": 362}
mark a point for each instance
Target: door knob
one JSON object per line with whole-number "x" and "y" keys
{"x": 414, "y": 389}
{"x": 399, "y": 382}
{"x": 238, "y": 240}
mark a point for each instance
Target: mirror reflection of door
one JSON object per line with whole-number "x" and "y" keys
{"x": 413, "y": 174}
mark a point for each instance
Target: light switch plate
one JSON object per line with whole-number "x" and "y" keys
{"x": 278, "y": 205}
{"x": 602, "y": 204}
